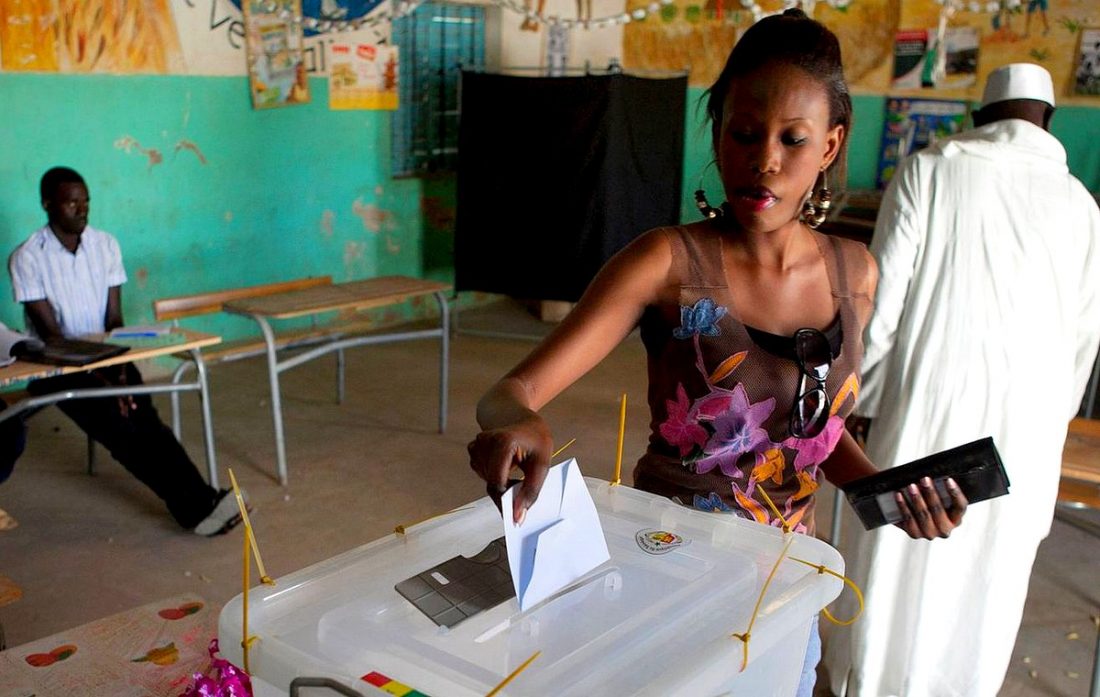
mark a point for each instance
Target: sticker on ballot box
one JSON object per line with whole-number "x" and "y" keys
{"x": 658, "y": 542}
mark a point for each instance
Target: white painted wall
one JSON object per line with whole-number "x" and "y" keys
{"x": 595, "y": 45}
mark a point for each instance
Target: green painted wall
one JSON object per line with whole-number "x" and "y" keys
{"x": 284, "y": 193}
{"x": 1077, "y": 127}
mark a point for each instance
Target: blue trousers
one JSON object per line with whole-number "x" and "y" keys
{"x": 809, "y": 666}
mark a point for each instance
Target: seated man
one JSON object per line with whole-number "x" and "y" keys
{"x": 68, "y": 275}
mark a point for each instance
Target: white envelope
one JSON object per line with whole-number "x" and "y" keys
{"x": 560, "y": 540}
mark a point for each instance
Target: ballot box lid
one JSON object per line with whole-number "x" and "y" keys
{"x": 658, "y": 619}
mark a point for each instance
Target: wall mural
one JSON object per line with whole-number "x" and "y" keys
{"x": 196, "y": 37}
{"x": 983, "y": 34}
{"x": 78, "y": 36}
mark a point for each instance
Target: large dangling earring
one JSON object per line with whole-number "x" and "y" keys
{"x": 709, "y": 212}
{"x": 816, "y": 208}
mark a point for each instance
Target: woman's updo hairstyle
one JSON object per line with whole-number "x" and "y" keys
{"x": 794, "y": 39}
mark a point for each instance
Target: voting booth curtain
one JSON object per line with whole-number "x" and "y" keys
{"x": 556, "y": 174}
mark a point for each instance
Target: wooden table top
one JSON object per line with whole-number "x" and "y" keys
{"x": 26, "y": 370}
{"x": 1081, "y": 456}
{"x": 354, "y": 295}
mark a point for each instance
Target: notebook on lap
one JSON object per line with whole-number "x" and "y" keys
{"x": 71, "y": 352}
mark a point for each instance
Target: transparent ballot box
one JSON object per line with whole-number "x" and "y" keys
{"x": 657, "y": 619}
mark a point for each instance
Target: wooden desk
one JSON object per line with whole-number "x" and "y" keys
{"x": 179, "y": 340}
{"x": 355, "y": 295}
{"x": 1080, "y": 483}
{"x": 1080, "y": 488}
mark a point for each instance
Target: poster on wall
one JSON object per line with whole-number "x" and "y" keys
{"x": 1087, "y": 74}
{"x": 912, "y": 69}
{"x": 362, "y": 76}
{"x": 557, "y": 50}
{"x": 920, "y": 62}
{"x": 273, "y": 42}
{"x": 960, "y": 59}
{"x": 912, "y": 124}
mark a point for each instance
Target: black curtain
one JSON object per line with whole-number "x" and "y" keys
{"x": 556, "y": 174}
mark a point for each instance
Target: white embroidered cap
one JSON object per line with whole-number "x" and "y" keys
{"x": 1018, "y": 81}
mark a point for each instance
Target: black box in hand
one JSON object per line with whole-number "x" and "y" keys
{"x": 976, "y": 467}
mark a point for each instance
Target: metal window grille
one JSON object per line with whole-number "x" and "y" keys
{"x": 433, "y": 41}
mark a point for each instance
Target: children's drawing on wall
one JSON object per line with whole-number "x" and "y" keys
{"x": 276, "y": 70}
{"x": 1033, "y": 7}
{"x": 698, "y": 34}
{"x": 362, "y": 76}
{"x": 1087, "y": 78}
{"x": 189, "y": 37}
{"x": 76, "y": 36}
{"x": 530, "y": 23}
{"x": 982, "y": 35}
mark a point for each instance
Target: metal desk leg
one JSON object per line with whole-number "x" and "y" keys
{"x": 1095, "y": 691}
{"x": 207, "y": 420}
{"x": 444, "y": 359}
{"x": 340, "y": 376}
{"x": 1096, "y": 668}
{"x": 177, "y": 375}
{"x": 838, "y": 508}
{"x": 1090, "y": 395}
{"x": 276, "y": 398}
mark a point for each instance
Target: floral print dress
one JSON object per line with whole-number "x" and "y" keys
{"x": 721, "y": 403}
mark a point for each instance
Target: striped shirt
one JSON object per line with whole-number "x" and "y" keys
{"x": 75, "y": 284}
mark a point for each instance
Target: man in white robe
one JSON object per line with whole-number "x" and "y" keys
{"x": 986, "y": 323}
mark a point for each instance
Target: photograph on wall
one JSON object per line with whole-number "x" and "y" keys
{"x": 362, "y": 76}
{"x": 276, "y": 67}
{"x": 1086, "y": 78}
{"x": 913, "y": 124}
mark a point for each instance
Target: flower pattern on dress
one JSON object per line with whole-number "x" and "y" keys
{"x": 738, "y": 431}
{"x": 680, "y": 429}
{"x": 724, "y": 429}
{"x": 700, "y": 318}
{"x": 712, "y": 503}
{"x": 811, "y": 452}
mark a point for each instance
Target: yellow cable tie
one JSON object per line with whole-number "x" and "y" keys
{"x": 619, "y": 449}
{"x": 559, "y": 450}
{"x": 744, "y": 637}
{"x": 247, "y": 643}
{"x": 513, "y": 674}
{"x": 402, "y": 529}
{"x": 768, "y": 500}
{"x": 264, "y": 578}
{"x": 822, "y": 569}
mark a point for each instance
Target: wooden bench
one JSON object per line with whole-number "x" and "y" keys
{"x": 1080, "y": 483}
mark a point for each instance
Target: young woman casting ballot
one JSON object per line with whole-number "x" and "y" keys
{"x": 751, "y": 320}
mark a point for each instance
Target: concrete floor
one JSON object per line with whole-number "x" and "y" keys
{"x": 89, "y": 547}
